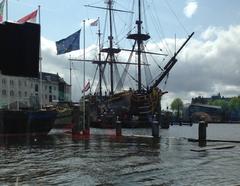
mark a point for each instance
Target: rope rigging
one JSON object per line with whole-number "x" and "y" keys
{"x": 175, "y": 15}
{"x": 153, "y": 12}
{"x": 125, "y": 71}
{"x": 94, "y": 76}
{"x": 145, "y": 16}
{"x": 159, "y": 29}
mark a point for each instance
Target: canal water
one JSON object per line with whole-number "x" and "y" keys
{"x": 103, "y": 159}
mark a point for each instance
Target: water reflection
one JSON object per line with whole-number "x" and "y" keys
{"x": 102, "y": 159}
{"x": 27, "y": 141}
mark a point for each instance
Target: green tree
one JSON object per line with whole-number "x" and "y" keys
{"x": 234, "y": 103}
{"x": 177, "y": 106}
{"x": 224, "y": 105}
{"x": 219, "y": 102}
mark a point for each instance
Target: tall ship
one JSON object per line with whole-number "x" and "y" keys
{"x": 134, "y": 107}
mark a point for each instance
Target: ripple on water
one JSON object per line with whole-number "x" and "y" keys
{"x": 105, "y": 160}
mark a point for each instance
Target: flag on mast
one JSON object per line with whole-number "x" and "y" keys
{"x": 29, "y": 18}
{"x": 68, "y": 44}
{"x": 1, "y": 10}
{"x": 94, "y": 23}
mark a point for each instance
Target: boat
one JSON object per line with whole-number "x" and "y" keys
{"x": 25, "y": 122}
{"x": 133, "y": 107}
{"x": 64, "y": 115}
{"x": 64, "y": 118}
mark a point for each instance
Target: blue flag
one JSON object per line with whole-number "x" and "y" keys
{"x": 68, "y": 44}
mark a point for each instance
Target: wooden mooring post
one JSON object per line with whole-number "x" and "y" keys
{"x": 118, "y": 127}
{"x": 86, "y": 130}
{"x": 202, "y": 133}
{"x": 77, "y": 121}
{"x": 155, "y": 127}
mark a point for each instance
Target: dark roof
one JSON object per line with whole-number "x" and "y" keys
{"x": 206, "y": 106}
{"x": 52, "y": 77}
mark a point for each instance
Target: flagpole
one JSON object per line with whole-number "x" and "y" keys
{"x": 40, "y": 58}
{"x": 84, "y": 57}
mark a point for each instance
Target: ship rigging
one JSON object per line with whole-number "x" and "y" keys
{"x": 143, "y": 102}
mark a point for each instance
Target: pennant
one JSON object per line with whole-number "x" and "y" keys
{"x": 68, "y": 44}
{"x": 94, "y": 23}
{"x": 29, "y": 18}
{"x": 1, "y": 10}
{"x": 87, "y": 87}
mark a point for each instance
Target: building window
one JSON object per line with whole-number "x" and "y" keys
{"x": 25, "y": 83}
{"x": 50, "y": 98}
{"x": 4, "y": 81}
{"x": 48, "y": 78}
{"x": 11, "y": 82}
{"x": 20, "y": 94}
{"x": 25, "y": 94}
{"x": 54, "y": 97}
{"x": 55, "y": 88}
{"x": 11, "y": 93}
{"x": 19, "y": 83}
{"x": 50, "y": 89}
{"x": 4, "y": 92}
{"x": 36, "y": 87}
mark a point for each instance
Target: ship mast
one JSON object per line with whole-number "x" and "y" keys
{"x": 111, "y": 51}
{"x": 139, "y": 38}
{"x": 99, "y": 58}
{"x": 139, "y": 42}
{"x": 111, "y": 45}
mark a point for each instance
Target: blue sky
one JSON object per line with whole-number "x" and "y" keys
{"x": 60, "y": 17}
{"x": 208, "y": 65}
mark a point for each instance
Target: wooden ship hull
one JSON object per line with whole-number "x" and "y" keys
{"x": 133, "y": 109}
{"x": 63, "y": 119}
{"x": 26, "y": 122}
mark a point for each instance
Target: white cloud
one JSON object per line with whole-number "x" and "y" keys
{"x": 54, "y": 63}
{"x": 206, "y": 67}
{"x": 210, "y": 33}
{"x": 190, "y": 8}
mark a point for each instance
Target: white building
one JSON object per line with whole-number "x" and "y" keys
{"x": 25, "y": 92}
